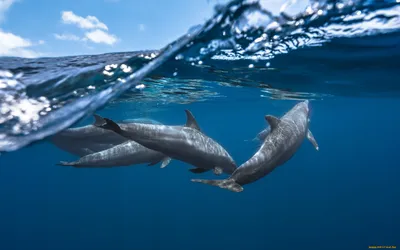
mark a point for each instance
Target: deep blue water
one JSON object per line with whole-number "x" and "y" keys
{"x": 230, "y": 72}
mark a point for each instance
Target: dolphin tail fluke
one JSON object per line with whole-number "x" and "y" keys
{"x": 229, "y": 184}
{"x": 108, "y": 124}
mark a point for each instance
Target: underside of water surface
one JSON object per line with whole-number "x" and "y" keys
{"x": 309, "y": 50}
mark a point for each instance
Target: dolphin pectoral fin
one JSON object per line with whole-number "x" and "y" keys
{"x": 198, "y": 170}
{"x": 191, "y": 121}
{"x": 272, "y": 121}
{"x": 217, "y": 170}
{"x": 311, "y": 138}
{"x": 165, "y": 162}
{"x": 229, "y": 184}
{"x": 98, "y": 120}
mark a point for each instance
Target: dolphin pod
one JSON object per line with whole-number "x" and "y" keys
{"x": 103, "y": 148}
{"x": 148, "y": 142}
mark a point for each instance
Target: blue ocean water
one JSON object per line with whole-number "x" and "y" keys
{"x": 344, "y": 196}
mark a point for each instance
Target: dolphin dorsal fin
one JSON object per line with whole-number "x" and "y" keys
{"x": 191, "y": 121}
{"x": 98, "y": 120}
{"x": 273, "y": 121}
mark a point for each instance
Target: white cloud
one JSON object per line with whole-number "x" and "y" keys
{"x": 99, "y": 36}
{"x": 69, "y": 37}
{"x": 89, "y": 22}
{"x": 4, "y": 6}
{"x": 11, "y": 41}
{"x": 13, "y": 45}
{"x": 142, "y": 27}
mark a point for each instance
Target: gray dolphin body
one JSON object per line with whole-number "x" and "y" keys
{"x": 281, "y": 143}
{"x": 90, "y": 139}
{"x": 185, "y": 143}
{"x": 125, "y": 154}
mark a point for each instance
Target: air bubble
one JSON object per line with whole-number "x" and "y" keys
{"x": 179, "y": 57}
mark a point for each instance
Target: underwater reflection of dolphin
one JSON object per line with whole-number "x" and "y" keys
{"x": 185, "y": 143}
{"x": 284, "y": 139}
{"x": 90, "y": 139}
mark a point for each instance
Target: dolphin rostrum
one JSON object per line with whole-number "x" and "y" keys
{"x": 281, "y": 143}
{"x": 125, "y": 154}
{"x": 90, "y": 139}
{"x": 185, "y": 143}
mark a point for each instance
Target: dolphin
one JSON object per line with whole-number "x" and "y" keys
{"x": 90, "y": 139}
{"x": 125, "y": 154}
{"x": 185, "y": 143}
{"x": 281, "y": 143}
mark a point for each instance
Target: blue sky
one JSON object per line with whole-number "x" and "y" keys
{"x": 34, "y": 28}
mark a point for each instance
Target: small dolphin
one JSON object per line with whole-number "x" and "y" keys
{"x": 284, "y": 139}
{"x": 125, "y": 154}
{"x": 185, "y": 143}
{"x": 90, "y": 139}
